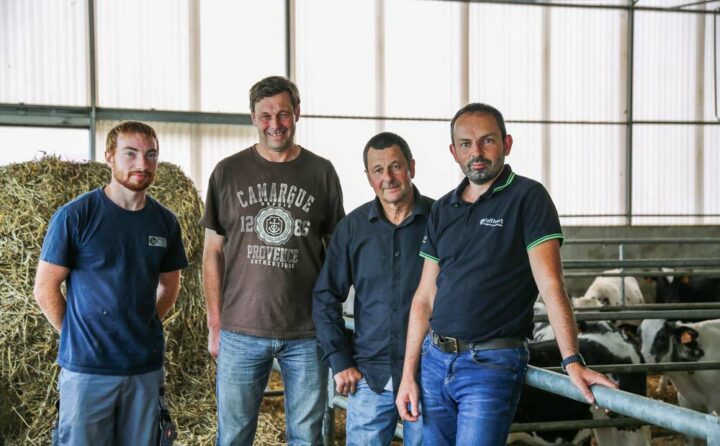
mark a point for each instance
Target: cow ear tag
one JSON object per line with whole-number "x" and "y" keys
{"x": 686, "y": 337}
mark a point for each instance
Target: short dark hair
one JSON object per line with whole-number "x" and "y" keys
{"x": 479, "y": 108}
{"x": 384, "y": 140}
{"x": 129, "y": 128}
{"x": 270, "y": 86}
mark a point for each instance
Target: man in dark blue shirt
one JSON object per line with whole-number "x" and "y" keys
{"x": 491, "y": 245}
{"x": 375, "y": 249}
{"x": 120, "y": 253}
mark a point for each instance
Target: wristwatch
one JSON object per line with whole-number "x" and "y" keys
{"x": 571, "y": 359}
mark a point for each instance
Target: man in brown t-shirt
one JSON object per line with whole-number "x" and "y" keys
{"x": 270, "y": 211}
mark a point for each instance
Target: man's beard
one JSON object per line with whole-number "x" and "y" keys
{"x": 485, "y": 175}
{"x": 135, "y": 185}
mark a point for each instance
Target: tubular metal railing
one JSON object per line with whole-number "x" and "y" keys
{"x": 679, "y": 419}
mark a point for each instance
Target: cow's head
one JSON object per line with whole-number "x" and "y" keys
{"x": 666, "y": 341}
{"x": 687, "y": 348}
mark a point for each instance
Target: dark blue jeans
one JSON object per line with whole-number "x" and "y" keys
{"x": 470, "y": 398}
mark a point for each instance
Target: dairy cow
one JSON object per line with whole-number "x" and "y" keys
{"x": 542, "y": 331}
{"x": 607, "y": 291}
{"x": 673, "y": 341}
{"x": 600, "y": 343}
{"x": 685, "y": 289}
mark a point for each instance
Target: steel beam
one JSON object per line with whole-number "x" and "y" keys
{"x": 79, "y": 117}
{"x": 632, "y": 315}
{"x": 643, "y": 272}
{"x": 92, "y": 77}
{"x": 643, "y": 263}
{"x": 629, "y": 100}
{"x": 581, "y": 5}
{"x": 174, "y": 116}
{"x": 643, "y": 241}
{"x": 575, "y": 424}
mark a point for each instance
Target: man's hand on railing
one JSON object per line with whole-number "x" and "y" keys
{"x": 583, "y": 378}
{"x": 346, "y": 381}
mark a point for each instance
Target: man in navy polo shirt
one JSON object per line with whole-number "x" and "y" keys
{"x": 375, "y": 249}
{"x": 491, "y": 245}
{"x": 120, "y": 253}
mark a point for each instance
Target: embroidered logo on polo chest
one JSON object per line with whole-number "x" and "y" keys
{"x": 493, "y": 222}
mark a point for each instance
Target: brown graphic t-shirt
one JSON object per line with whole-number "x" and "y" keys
{"x": 274, "y": 217}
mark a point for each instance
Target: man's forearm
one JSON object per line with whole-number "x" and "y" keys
{"x": 562, "y": 320}
{"x": 547, "y": 272}
{"x": 163, "y": 304}
{"x": 48, "y": 280}
{"x": 330, "y": 330}
{"x": 52, "y": 303}
{"x": 212, "y": 287}
{"x": 418, "y": 326}
{"x": 167, "y": 292}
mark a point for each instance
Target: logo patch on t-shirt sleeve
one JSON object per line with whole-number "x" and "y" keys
{"x": 156, "y": 240}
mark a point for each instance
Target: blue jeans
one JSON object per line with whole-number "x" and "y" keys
{"x": 243, "y": 369}
{"x": 108, "y": 410}
{"x": 372, "y": 418}
{"x": 470, "y": 397}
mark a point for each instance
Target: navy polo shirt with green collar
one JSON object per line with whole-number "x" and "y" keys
{"x": 485, "y": 288}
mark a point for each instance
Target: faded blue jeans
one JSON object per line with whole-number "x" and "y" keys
{"x": 372, "y": 417}
{"x": 470, "y": 398}
{"x": 243, "y": 369}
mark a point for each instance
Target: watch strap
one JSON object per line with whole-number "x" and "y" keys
{"x": 570, "y": 360}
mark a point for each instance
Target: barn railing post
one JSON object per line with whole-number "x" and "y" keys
{"x": 621, "y": 256}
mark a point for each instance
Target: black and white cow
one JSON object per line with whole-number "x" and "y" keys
{"x": 673, "y": 341}
{"x": 685, "y": 289}
{"x": 600, "y": 343}
{"x": 542, "y": 331}
{"x": 607, "y": 291}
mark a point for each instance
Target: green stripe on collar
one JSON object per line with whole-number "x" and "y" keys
{"x": 507, "y": 183}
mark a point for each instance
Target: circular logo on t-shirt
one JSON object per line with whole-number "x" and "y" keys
{"x": 274, "y": 225}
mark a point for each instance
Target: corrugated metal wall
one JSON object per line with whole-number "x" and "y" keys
{"x": 558, "y": 74}
{"x": 43, "y": 46}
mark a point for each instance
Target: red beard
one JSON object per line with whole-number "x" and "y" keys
{"x": 132, "y": 182}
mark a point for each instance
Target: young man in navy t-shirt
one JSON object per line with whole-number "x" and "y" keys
{"x": 491, "y": 245}
{"x": 120, "y": 253}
